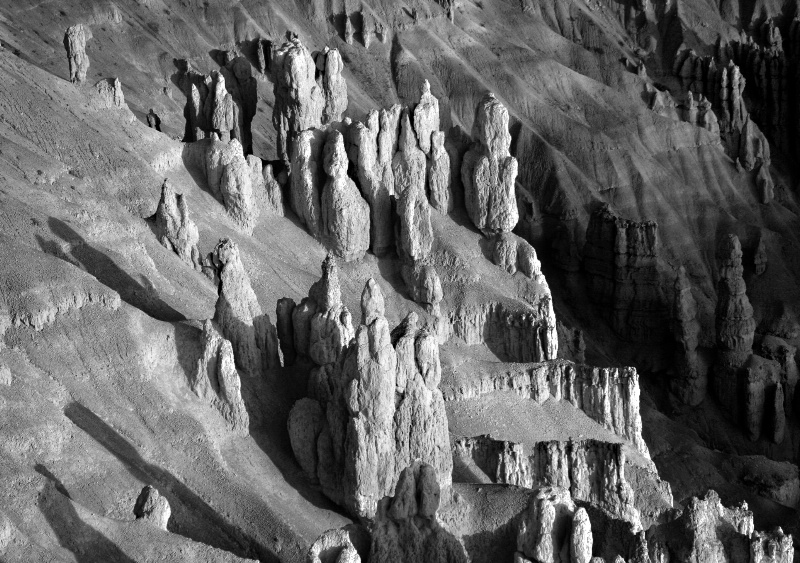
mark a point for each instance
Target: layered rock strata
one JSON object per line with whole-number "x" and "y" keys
{"x": 238, "y": 314}
{"x": 592, "y": 471}
{"x": 690, "y": 382}
{"x": 174, "y": 228}
{"x": 488, "y": 170}
{"x": 620, "y": 259}
{"x": 373, "y": 408}
{"x": 609, "y": 396}
{"x": 75, "y": 40}
{"x": 217, "y": 381}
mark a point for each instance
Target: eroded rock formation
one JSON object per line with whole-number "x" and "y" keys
{"x": 217, "y": 381}
{"x": 690, "y": 383}
{"x": 440, "y": 192}
{"x": 109, "y": 94}
{"x": 426, "y": 117}
{"x": 488, "y": 170}
{"x": 406, "y": 528}
{"x": 238, "y": 314}
{"x": 174, "y": 229}
{"x": 620, "y": 260}
{"x": 590, "y": 470}
{"x": 152, "y": 507}
{"x": 380, "y": 409}
{"x": 75, "y": 40}
{"x": 610, "y": 396}
{"x": 345, "y": 214}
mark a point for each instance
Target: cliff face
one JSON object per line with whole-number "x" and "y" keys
{"x": 620, "y": 261}
{"x": 610, "y": 396}
{"x": 590, "y": 470}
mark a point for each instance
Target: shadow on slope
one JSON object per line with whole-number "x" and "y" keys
{"x": 217, "y": 532}
{"x": 88, "y": 545}
{"x": 97, "y": 263}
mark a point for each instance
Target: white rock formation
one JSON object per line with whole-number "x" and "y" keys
{"x": 75, "y": 40}
{"x": 174, "y": 229}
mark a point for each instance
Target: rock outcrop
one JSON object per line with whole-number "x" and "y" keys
{"x": 690, "y": 382}
{"x": 174, "y": 229}
{"x": 217, "y": 381}
{"x": 303, "y": 100}
{"x": 345, "y": 214}
{"x": 545, "y": 529}
{"x": 426, "y": 117}
{"x": 406, "y": 528}
{"x": 440, "y": 192}
{"x": 488, "y": 170}
{"x": 381, "y": 409}
{"x": 334, "y": 546}
{"x": 308, "y": 179}
{"x": 734, "y": 323}
{"x": 236, "y": 188}
{"x": 592, "y": 471}
{"x": 109, "y": 94}
{"x": 238, "y": 314}
{"x": 152, "y": 507}
{"x": 75, "y": 40}
{"x": 609, "y": 396}
{"x": 299, "y": 100}
{"x": 620, "y": 259}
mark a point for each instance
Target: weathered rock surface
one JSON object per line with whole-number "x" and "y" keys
{"x": 239, "y": 316}
{"x": 690, "y": 383}
{"x": 217, "y": 381}
{"x": 175, "y": 230}
{"x": 334, "y": 546}
{"x": 345, "y": 214}
{"x": 334, "y": 86}
{"x": 299, "y": 100}
{"x": 236, "y": 187}
{"x": 308, "y": 179}
{"x": 590, "y": 470}
{"x": 152, "y": 508}
{"x": 489, "y": 172}
{"x": 425, "y": 286}
{"x": 406, "y": 527}
{"x": 610, "y": 396}
{"x": 426, "y": 117}
{"x": 408, "y": 163}
{"x": 109, "y": 94}
{"x": 440, "y": 192}
{"x": 75, "y": 40}
{"x": 620, "y": 260}
{"x": 382, "y": 410}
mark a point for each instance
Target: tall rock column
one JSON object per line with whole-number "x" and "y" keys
{"x": 239, "y": 316}
{"x": 735, "y": 324}
{"x": 75, "y": 40}
{"x": 426, "y": 117}
{"x": 345, "y": 214}
{"x": 689, "y": 384}
{"x": 488, "y": 170}
{"x": 175, "y": 230}
{"x": 299, "y": 100}
{"x": 334, "y": 86}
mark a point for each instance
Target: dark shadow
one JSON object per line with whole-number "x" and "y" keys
{"x": 98, "y": 264}
{"x": 88, "y": 545}
{"x": 188, "y": 509}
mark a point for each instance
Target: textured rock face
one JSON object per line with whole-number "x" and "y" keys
{"x": 620, "y": 259}
{"x": 408, "y": 163}
{"x": 308, "y": 179}
{"x": 690, "y": 383}
{"x": 592, "y": 471}
{"x": 236, "y": 187}
{"x": 580, "y": 538}
{"x": 425, "y": 286}
{"x": 175, "y": 230}
{"x": 610, "y": 396}
{"x": 345, "y": 214}
{"x": 426, "y": 117}
{"x": 330, "y": 328}
{"x": 299, "y": 101}
{"x": 334, "y": 546}
{"x": 75, "y": 40}
{"x": 333, "y": 85}
{"x": 377, "y": 190}
{"x": 220, "y": 109}
{"x": 735, "y": 324}
{"x": 488, "y": 171}
{"x": 152, "y": 508}
{"x": 544, "y": 532}
{"x": 382, "y": 408}
{"x": 109, "y": 93}
{"x": 516, "y": 335}
{"x": 239, "y": 316}
{"x": 217, "y": 381}
{"x": 440, "y": 193}
{"x": 406, "y": 528}
{"x": 415, "y": 236}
